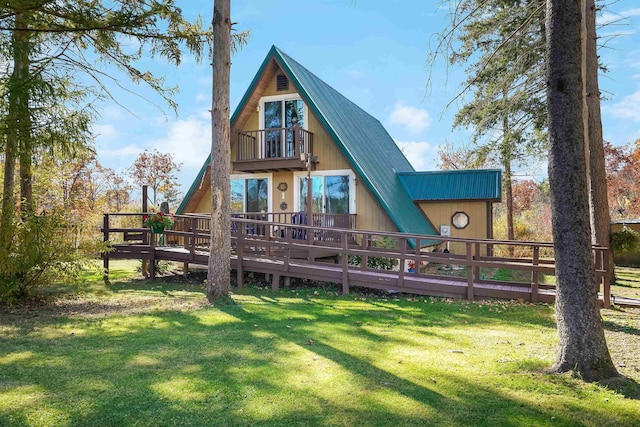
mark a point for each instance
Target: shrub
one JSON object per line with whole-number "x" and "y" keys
{"x": 625, "y": 240}
{"x": 379, "y": 263}
{"x": 44, "y": 252}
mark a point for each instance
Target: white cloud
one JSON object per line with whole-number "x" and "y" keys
{"x": 609, "y": 18}
{"x": 419, "y": 153}
{"x": 105, "y": 133}
{"x": 416, "y": 120}
{"x": 627, "y": 108}
{"x": 128, "y": 152}
{"x": 188, "y": 140}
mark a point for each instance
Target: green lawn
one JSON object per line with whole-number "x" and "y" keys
{"x": 627, "y": 282}
{"x": 156, "y": 354}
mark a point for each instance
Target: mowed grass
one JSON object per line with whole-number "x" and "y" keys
{"x": 156, "y": 354}
{"x": 627, "y": 282}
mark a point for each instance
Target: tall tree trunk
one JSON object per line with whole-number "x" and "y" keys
{"x": 508, "y": 175}
{"x": 508, "y": 190}
{"x": 218, "y": 277}
{"x": 21, "y": 52}
{"x": 582, "y": 347}
{"x": 598, "y": 200}
{"x": 17, "y": 100}
{"x": 27, "y": 204}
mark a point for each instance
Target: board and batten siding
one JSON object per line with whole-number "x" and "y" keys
{"x": 479, "y": 212}
{"x": 369, "y": 214}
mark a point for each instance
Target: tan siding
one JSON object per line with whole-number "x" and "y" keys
{"x": 287, "y": 178}
{"x": 370, "y": 216}
{"x": 270, "y": 89}
{"x": 204, "y": 206}
{"x": 440, "y": 213}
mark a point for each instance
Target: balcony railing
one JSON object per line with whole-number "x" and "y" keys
{"x": 327, "y": 220}
{"x": 274, "y": 145}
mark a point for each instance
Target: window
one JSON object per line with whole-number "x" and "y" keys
{"x": 460, "y": 220}
{"x": 250, "y": 193}
{"x": 281, "y": 112}
{"x": 332, "y": 191}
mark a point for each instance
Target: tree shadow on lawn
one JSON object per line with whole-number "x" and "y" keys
{"x": 153, "y": 384}
{"x": 215, "y": 367}
{"x": 628, "y": 276}
{"x": 620, "y": 320}
{"x": 615, "y": 327}
{"x": 476, "y": 312}
{"x": 461, "y": 401}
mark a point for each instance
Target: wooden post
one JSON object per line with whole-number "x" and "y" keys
{"x": 470, "y": 271}
{"x": 309, "y": 200}
{"x": 240, "y": 255}
{"x": 152, "y": 262}
{"x": 192, "y": 238}
{"x": 145, "y": 207}
{"x": 403, "y": 261}
{"x": 365, "y": 245}
{"x": 344, "y": 260}
{"x": 267, "y": 237}
{"x": 287, "y": 249}
{"x": 535, "y": 274}
{"x": 476, "y": 270}
{"x": 606, "y": 284}
{"x": 105, "y": 259}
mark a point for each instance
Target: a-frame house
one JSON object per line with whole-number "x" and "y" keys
{"x": 359, "y": 176}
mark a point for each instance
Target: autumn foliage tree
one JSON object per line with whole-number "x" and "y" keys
{"x": 623, "y": 179}
{"x": 49, "y": 82}
{"x": 156, "y": 170}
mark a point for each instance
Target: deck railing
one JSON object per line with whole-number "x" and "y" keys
{"x": 276, "y": 143}
{"x": 382, "y": 260}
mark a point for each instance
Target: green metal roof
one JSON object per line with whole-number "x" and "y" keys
{"x": 363, "y": 140}
{"x": 365, "y": 143}
{"x": 471, "y": 184}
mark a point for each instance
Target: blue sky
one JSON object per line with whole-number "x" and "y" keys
{"x": 372, "y": 51}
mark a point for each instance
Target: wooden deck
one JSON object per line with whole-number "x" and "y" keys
{"x": 353, "y": 257}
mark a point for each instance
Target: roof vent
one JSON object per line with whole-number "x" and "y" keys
{"x": 282, "y": 82}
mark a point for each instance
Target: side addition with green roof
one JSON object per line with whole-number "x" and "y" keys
{"x": 369, "y": 151}
{"x": 477, "y": 184}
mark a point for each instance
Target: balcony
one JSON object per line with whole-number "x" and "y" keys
{"x": 276, "y": 149}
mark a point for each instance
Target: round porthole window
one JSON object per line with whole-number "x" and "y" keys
{"x": 460, "y": 220}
